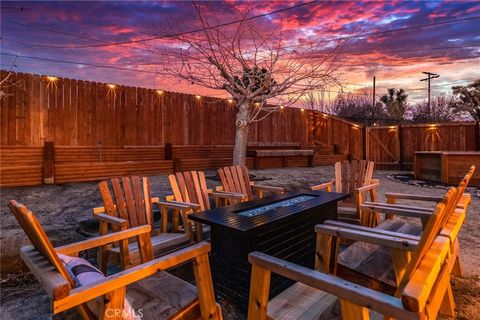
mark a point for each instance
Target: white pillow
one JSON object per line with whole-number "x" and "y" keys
{"x": 83, "y": 272}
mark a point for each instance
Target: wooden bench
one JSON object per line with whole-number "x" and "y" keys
{"x": 193, "y": 157}
{"x": 20, "y": 166}
{"x": 278, "y": 155}
{"x": 94, "y": 163}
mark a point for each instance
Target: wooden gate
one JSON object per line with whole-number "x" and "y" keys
{"x": 383, "y": 147}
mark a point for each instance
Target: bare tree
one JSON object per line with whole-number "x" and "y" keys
{"x": 251, "y": 62}
{"x": 468, "y": 99}
{"x": 316, "y": 100}
{"x": 8, "y": 81}
{"x": 358, "y": 107}
{"x": 442, "y": 109}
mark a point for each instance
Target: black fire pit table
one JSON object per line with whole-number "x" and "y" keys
{"x": 281, "y": 226}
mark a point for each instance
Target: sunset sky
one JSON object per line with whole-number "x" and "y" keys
{"x": 77, "y": 33}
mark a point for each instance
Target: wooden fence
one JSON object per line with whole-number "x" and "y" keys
{"x": 85, "y": 120}
{"x": 82, "y": 113}
{"x": 393, "y": 147}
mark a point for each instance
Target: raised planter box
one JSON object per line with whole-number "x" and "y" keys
{"x": 448, "y": 167}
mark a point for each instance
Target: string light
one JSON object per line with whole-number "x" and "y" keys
{"x": 159, "y": 92}
{"x": 282, "y": 107}
{"x": 301, "y": 109}
{"x": 198, "y": 97}
{"x": 230, "y": 100}
{"x": 111, "y": 86}
{"x": 52, "y": 78}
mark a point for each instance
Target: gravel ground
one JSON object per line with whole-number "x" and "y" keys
{"x": 63, "y": 208}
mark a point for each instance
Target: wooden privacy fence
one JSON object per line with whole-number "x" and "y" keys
{"x": 99, "y": 130}
{"x": 393, "y": 147}
{"x": 72, "y": 112}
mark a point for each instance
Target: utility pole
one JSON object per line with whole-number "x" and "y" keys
{"x": 373, "y": 100}
{"x": 429, "y": 77}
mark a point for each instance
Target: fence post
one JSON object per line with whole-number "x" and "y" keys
{"x": 477, "y": 136}
{"x": 400, "y": 146}
{"x": 364, "y": 142}
{"x": 168, "y": 151}
{"x": 48, "y": 162}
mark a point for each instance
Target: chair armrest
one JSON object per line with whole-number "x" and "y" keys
{"x": 366, "y": 236}
{"x": 122, "y": 223}
{"x": 346, "y": 225}
{"x": 400, "y": 206}
{"x": 228, "y": 195}
{"x": 372, "y": 206}
{"x": 277, "y": 190}
{"x": 327, "y": 185}
{"x": 99, "y": 288}
{"x": 412, "y": 197}
{"x": 368, "y": 187}
{"x": 182, "y": 206}
{"x": 347, "y": 291}
{"x": 75, "y": 248}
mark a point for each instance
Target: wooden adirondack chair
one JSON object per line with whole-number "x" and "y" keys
{"x": 190, "y": 190}
{"x": 423, "y": 291}
{"x": 132, "y": 207}
{"x": 145, "y": 286}
{"x": 369, "y": 263}
{"x": 236, "y": 179}
{"x": 369, "y": 260}
{"x": 391, "y": 205}
{"x": 354, "y": 178}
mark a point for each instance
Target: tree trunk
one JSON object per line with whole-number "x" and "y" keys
{"x": 241, "y": 136}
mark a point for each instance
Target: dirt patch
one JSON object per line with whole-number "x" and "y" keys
{"x": 65, "y": 213}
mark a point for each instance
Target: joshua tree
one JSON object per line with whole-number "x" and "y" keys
{"x": 251, "y": 62}
{"x": 395, "y": 102}
{"x": 468, "y": 99}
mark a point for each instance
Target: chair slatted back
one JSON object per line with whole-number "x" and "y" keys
{"x": 236, "y": 179}
{"x": 191, "y": 187}
{"x": 459, "y": 194}
{"x": 435, "y": 224}
{"x": 352, "y": 175}
{"x": 39, "y": 238}
{"x": 132, "y": 200}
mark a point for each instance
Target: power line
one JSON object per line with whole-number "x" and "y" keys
{"x": 81, "y": 63}
{"x": 107, "y": 43}
{"x": 189, "y": 31}
{"x": 160, "y": 73}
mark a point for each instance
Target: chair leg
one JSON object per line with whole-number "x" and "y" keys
{"x": 351, "y": 311}
{"x": 457, "y": 269}
{"x": 259, "y": 290}
{"x": 326, "y": 253}
{"x": 447, "y": 307}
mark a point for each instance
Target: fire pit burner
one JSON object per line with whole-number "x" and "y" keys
{"x": 281, "y": 204}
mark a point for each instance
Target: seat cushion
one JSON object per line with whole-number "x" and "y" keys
{"x": 303, "y": 302}
{"x": 161, "y": 244}
{"x": 371, "y": 265}
{"x": 160, "y": 296}
{"x": 84, "y": 273}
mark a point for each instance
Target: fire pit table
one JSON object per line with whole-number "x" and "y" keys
{"x": 281, "y": 226}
